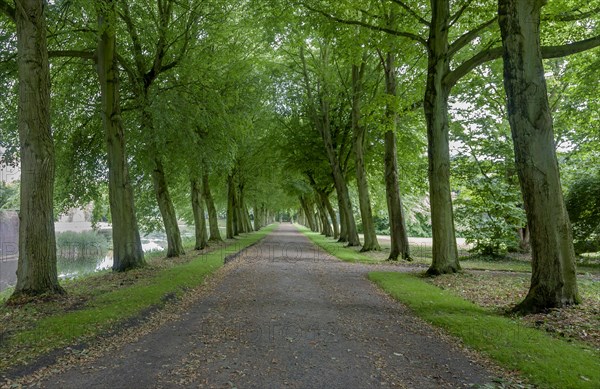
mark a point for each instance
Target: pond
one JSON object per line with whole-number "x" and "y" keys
{"x": 81, "y": 253}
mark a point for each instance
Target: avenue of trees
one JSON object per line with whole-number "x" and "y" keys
{"x": 397, "y": 116}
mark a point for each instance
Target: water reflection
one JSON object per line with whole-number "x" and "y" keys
{"x": 83, "y": 252}
{"x": 91, "y": 260}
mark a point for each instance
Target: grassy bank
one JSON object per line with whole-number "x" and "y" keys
{"x": 100, "y": 302}
{"x": 347, "y": 254}
{"x": 545, "y": 361}
{"x": 422, "y": 256}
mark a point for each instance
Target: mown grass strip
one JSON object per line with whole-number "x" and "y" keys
{"x": 545, "y": 361}
{"x": 336, "y": 249}
{"x": 108, "y": 309}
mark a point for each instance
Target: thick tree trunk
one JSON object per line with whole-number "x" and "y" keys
{"x": 308, "y": 214}
{"x": 127, "y": 246}
{"x": 238, "y": 218}
{"x": 398, "y": 233}
{"x": 245, "y": 215}
{"x": 231, "y": 222}
{"x": 167, "y": 210}
{"x": 370, "y": 237}
{"x": 327, "y": 231}
{"x": 247, "y": 220}
{"x": 332, "y": 215}
{"x": 343, "y": 226}
{"x": 36, "y": 269}
{"x": 343, "y": 196}
{"x": 445, "y": 252}
{"x": 213, "y": 220}
{"x": 553, "y": 278}
{"x": 198, "y": 211}
{"x": 258, "y": 217}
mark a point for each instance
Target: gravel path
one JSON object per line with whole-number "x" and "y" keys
{"x": 285, "y": 315}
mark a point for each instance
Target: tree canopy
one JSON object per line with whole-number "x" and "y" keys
{"x": 396, "y": 117}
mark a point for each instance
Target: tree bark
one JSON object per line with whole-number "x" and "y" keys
{"x": 524, "y": 245}
{"x": 332, "y": 215}
{"x": 553, "y": 278}
{"x": 36, "y": 269}
{"x": 308, "y": 214}
{"x": 327, "y": 231}
{"x": 245, "y": 215}
{"x": 445, "y": 252}
{"x": 167, "y": 210}
{"x": 343, "y": 226}
{"x": 370, "y": 237}
{"x": 127, "y": 246}
{"x": 213, "y": 220}
{"x": 349, "y": 232}
{"x": 231, "y": 222}
{"x": 258, "y": 217}
{"x": 398, "y": 233}
{"x": 198, "y": 211}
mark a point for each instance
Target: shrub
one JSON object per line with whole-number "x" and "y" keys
{"x": 583, "y": 205}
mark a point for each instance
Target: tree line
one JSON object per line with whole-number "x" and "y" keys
{"x": 259, "y": 107}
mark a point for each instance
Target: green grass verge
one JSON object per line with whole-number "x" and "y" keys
{"x": 339, "y": 250}
{"x": 104, "y": 311}
{"x": 547, "y": 362}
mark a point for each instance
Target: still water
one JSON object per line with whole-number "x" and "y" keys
{"x": 74, "y": 261}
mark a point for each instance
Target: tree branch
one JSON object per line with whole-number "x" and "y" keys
{"x": 570, "y": 48}
{"x": 135, "y": 39}
{"x": 571, "y": 16}
{"x": 411, "y": 12}
{"x": 496, "y": 52}
{"x": 390, "y": 31}
{"x": 454, "y": 18}
{"x": 467, "y": 37}
{"x": 72, "y": 54}
{"x": 131, "y": 75}
{"x": 7, "y": 9}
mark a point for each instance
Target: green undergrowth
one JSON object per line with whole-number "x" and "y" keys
{"x": 103, "y": 310}
{"x": 545, "y": 361}
{"x": 339, "y": 250}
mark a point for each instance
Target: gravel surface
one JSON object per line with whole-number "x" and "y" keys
{"x": 284, "y": 314}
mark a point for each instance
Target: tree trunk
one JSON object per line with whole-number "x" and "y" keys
{"x": 445, "y": 252}
{"x": 342, "y": 191}
{"x": 199, "y": 220}
{"x": 167, "y": 210}
{"x": 213, "y": 220}
{"x": 36, "y": 269}
{"x": 245, "y": 215}
{"x": 238, "y": 218}
{"x": 524, "y": 245}
{"x": 343, "y": 227}
{"x": 398, "y": 233}
{"x": 320, "y": 119}
{"x": 332, "y": 215}
{"x": 370, "y": 237}
{"x": 327, "y": 231}
{"x": 127, "y": 246}
{"x": 308, "y": 214}
{"x": 231, "y": 222}
{"x": 553, "y": 278}
{"x": 258, "y": 218}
